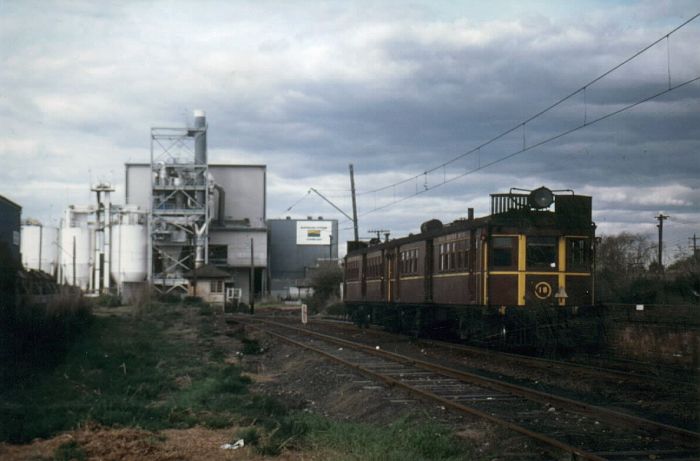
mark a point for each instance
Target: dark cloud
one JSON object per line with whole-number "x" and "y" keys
{"x": 393, "y": 88}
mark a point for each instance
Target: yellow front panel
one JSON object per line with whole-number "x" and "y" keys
{"x": 562, "y": 267}
{"x": 522, "y": 242}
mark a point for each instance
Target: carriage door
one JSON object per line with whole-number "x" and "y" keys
{"x": 389, "y": 276}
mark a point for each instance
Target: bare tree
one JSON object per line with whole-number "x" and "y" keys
{"x": 622, "y": 260}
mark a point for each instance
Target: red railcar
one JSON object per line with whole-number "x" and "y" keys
{"x": 481, "y": 276}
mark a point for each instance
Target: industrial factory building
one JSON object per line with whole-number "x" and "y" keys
{"x": 10, "y": 215}
{"x": 181, "y": 214}
{"x": 200, "y": 214}
{"x": 236, "y": 221}
{"x": 296, "y": 246}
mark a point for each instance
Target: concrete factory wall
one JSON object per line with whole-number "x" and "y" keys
{"x": 238, "y": 243}
{"x": 245, "y": 187}
{"x": 138, "y": 185}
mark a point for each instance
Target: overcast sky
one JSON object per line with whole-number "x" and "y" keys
{"x": 393, "y": 87}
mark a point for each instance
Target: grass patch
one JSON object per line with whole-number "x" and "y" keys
{"x": 123, "y": 372}
{"x": 132, "y": 371}
{"x": 404, "y": 440}
{"x": 251, "y": 346}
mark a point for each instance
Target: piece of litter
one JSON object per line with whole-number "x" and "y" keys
{"x": 340, "y": 348}
{"x": 235, "y": 446}
{"x": 377, "y": 348}
{"x": 551, "y": 409}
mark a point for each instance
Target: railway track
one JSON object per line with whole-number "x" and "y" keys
{"x": 584, "y": 430}
{"x": 643, "y": 376}
{"x": 672, "y": 401}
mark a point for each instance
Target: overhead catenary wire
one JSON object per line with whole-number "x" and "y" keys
{"x": 521, "y": 125}
{"x": 538, "y": 144}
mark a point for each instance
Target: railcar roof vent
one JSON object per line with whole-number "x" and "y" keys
{"x": 431, "y": 226}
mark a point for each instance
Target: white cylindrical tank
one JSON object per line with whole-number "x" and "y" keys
{"x": 129, "y": 253}
{"x": 83, "y": 252}
{"x": 39, "y": 247}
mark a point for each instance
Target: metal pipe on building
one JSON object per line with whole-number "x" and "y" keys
{"x": 221, "y": 205}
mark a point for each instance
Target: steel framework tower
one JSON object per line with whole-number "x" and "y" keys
{"x": 179, "y": 214}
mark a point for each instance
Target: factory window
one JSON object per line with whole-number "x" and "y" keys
{"x": 542, "y": 252}
{"x": 577, "y": 254}
{"x": 502, "y": 252}
{"x": 218, "y": 255}
{"x": 216, "y": 286}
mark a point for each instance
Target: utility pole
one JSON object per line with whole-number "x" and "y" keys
{"x": 354, "y": 203}
{"x": 330, "y": 248}
{"x": 661, "y": 217}
{"x": 251, "y": 298}
{"x": 386, "y": 233}
{"x": 694, "y": 238}
{"x": 74, "y": 260}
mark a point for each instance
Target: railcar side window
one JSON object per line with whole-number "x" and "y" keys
{"x": 502, "y": 252}
{"x": 542, "y": 252}
{"x": 577, "y": 254}
{"x": 409, "y": 262}
{"x": 353, "y": 270}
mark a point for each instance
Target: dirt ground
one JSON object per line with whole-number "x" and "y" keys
{"x": 301, "y": 379}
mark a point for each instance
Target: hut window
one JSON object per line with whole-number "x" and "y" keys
{"x": 217, "y": 286}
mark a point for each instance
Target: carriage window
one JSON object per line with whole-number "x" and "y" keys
{"x": 502, "y": 252}
{"x": 542, "y": 252}
{"x": 577, "y": 254}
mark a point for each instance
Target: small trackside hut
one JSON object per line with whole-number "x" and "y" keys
{"x": 520, "y": 275}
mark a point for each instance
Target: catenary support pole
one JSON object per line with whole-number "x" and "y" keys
{"x": 354, "y": 203}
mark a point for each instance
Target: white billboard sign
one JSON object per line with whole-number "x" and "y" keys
{"x": 314, "y": 232}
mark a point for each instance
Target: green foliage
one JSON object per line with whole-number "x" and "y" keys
{"x": 69, "y": 451}
{"x": 403, "y": 440}
{"x": 108, "y": 300}
{"x": 337, "y": 309}
{"x": 126, "y": 371}
{"x": 326, "y": 281}
{"x": 251, "y": 346}
{"x": 206, "y": 309}
{"x": 123, "y": 371}
{"x": 40, "y": 334}
{"x": 627, "y": 272}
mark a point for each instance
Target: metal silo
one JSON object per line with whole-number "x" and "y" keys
{"x": 39, "y": 247}
{"x": 76, "y": 247}
{"x": 129, "y": 247}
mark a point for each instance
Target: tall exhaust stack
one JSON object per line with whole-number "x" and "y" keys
{"x": 200, "y": 158}
{"x": 200, "y": 138}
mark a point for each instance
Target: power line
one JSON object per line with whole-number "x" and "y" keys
{"x": 527, "y": 148}
{"x": 522, "y": 124}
